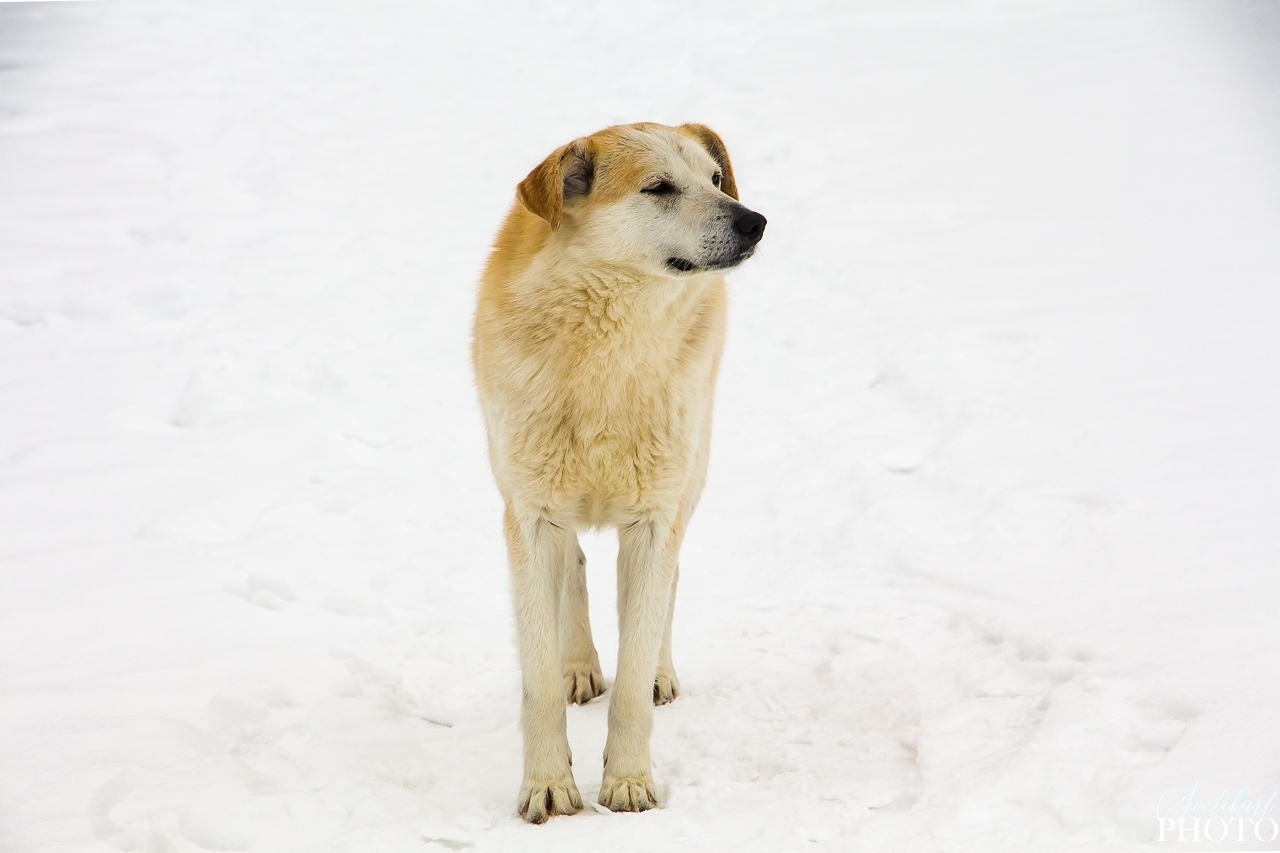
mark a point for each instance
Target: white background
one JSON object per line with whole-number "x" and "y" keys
{"x": 987, "y": 559}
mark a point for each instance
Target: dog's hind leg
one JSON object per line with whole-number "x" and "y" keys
{"x": 538, "y": 553}
{"x": 666, "y": 687}
{"x": 583, "y": 680}
{"x": 647, "y": 554}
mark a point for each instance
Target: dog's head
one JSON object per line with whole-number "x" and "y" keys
{"x": 659, "y": 199}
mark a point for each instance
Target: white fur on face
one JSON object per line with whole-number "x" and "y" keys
{"x": 647, "y": 231}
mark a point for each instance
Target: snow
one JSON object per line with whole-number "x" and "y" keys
{"x": 987, "y": 556}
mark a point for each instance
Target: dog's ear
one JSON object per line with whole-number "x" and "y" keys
{"x": 569, "y": 172}
{"x": 711, "y": 141}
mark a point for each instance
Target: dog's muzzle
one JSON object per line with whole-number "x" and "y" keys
{"x": 722, "y": 251}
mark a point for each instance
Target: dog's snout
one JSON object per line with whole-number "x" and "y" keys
{"x": 749, "y": 225}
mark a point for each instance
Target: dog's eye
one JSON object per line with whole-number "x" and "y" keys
{"x": 659, "y": 187}
{"x": 717, "y": 179}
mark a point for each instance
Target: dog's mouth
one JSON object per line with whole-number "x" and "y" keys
{"x": 683, "y": 265}
{"x": 732, "y": 260}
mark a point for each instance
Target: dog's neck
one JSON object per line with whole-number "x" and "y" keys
{"x": 608, "y": 302}
{"x": 599, "y": 286}
{"x": 582, "y": 301}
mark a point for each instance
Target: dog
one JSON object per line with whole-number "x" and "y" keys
{"x": 597, "y": 339}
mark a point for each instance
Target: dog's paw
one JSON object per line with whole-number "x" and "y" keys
{"x": 544, "y": 798}
{"x": 666, "y": 687}
{"x": 582, "y": 682}
{"x": 628, "y": 793}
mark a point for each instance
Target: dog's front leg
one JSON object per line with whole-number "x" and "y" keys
{"x": 647, "y": 554}
{"x": 538, "y": 552}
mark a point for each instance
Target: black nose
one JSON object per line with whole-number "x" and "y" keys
{"x": 749, "y": 225}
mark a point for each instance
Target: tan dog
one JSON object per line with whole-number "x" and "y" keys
{"x": 597, "y": 339}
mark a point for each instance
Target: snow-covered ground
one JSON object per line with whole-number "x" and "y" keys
{"x": 988, "y": 556}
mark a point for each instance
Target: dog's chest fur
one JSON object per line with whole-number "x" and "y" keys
{"x": 598, "y": 398}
